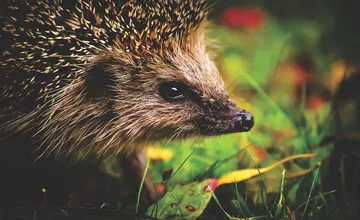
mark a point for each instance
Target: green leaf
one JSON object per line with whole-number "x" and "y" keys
{"x": 183, "y": 201}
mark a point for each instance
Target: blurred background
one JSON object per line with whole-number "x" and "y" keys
{"x": 294, "y": 65}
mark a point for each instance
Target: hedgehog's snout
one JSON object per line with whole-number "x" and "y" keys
{"x": 244, "y": 121}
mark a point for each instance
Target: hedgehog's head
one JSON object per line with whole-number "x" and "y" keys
{"x": 163, "y": 83}
{"x": 145, "y": 76}
{"x": 184, "y": 95}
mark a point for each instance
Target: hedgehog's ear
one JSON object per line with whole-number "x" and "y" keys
{"x": 98, "y": 82}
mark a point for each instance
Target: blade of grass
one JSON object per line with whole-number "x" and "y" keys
{"x": 237, "y": 194}
{"x": 218, "y": 203}
{"x": 302, "y": 125}
{"x": 177, "y": 170}
{"x": 263, "y": 187}
{"x": 315, "y": 197}
{"x": 280, "y": 207}
{"x": 343, "y": 183}
{"x": 266, "y": 97}
{"x": 311, "y": 191}
{"x": 219, "y": 163}
{"x": 140, "y": 188}
{"x": 323, "y": 199}
{"x": 227, "y": 214}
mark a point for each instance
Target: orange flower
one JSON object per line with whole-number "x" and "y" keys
{"x": 250, "y": 18}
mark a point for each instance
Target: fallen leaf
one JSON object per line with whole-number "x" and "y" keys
{"x": 244, "y": 174}
{"x": 183, "y": 201}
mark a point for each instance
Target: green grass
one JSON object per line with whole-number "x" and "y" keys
{"x": 140, "y": 188}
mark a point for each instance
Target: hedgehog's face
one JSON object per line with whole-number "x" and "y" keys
{"x": 204, "y": 115}
{"x": 179, "y": 97}
{"x": 198, "y": 93}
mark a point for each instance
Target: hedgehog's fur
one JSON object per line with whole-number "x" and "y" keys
{"x": 85, "y": 78}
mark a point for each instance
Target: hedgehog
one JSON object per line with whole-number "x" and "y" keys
{"x": 105, "y": 78}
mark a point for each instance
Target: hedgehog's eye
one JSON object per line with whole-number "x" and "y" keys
{"x": 173, "y": 91}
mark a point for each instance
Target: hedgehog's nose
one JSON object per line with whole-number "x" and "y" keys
{"x": 244, "y": 121}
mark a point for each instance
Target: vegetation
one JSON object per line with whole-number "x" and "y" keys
{"x": 276, "y": 69}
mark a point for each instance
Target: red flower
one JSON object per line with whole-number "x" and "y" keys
{"x": 251, "y": 18}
